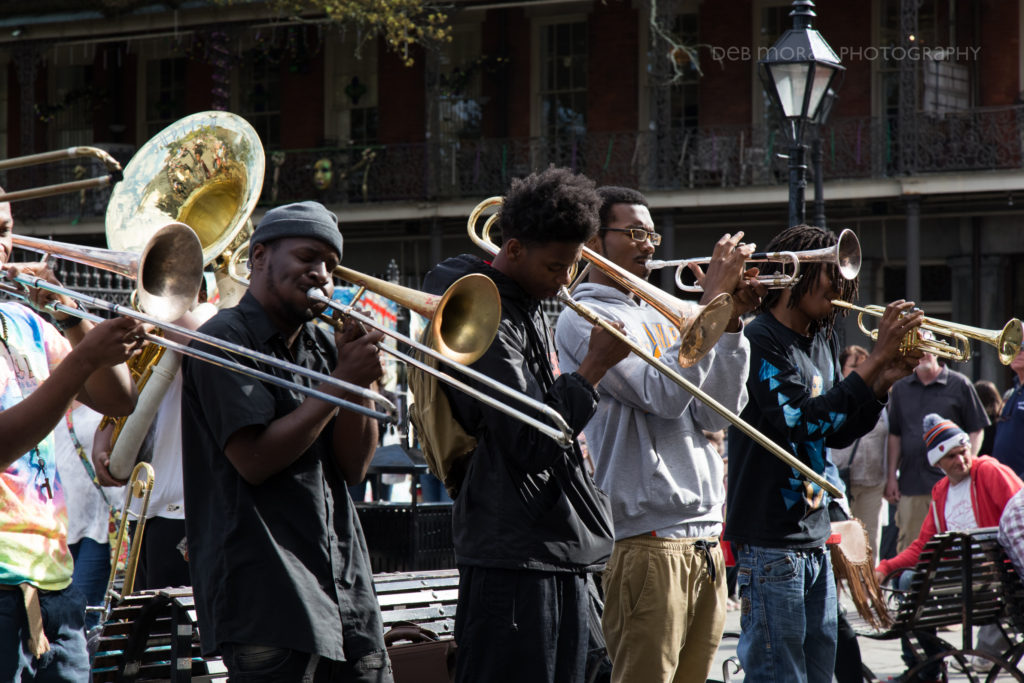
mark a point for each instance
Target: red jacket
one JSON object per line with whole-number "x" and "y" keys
{"x": 992, "y": 485}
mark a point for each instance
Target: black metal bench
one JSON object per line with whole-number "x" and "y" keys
{"x": 152, "y": 635}
{"x": 961, "y": 579}
{"x": 411, "y": 602}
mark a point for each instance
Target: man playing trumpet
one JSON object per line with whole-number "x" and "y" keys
{"x": 665, "y": 582}
{"x": 777, "y": 522}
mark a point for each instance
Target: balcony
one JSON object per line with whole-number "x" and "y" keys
{"x": 723, "y": 156}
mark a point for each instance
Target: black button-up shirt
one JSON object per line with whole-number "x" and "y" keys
{"x": 283, "y": 563}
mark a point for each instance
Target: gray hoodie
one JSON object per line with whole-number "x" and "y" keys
{"x": 649, "y": 454}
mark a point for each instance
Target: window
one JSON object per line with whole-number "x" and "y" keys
{"x": 563, "y": 82}
{"x": 165, "y": 93}
{"x": 459, "y": 108}
{"x": 352, "y": 84}
{"x": 260, "y": 89}
{"x": 683, "y": 112}
{"x": 71, "y": 106}
{"x": 936, "y": 286}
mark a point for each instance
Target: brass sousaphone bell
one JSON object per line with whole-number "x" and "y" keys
{"x": 206, "y": 171}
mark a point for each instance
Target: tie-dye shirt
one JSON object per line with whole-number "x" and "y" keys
{"x": 33, "y": 525}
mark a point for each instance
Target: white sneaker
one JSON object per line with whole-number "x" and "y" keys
{"x": 980, "y": 664}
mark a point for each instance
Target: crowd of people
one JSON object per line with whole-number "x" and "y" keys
{"x": 253, "y": 508}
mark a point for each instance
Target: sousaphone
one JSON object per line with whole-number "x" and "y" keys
{"x": 206, "y": 171}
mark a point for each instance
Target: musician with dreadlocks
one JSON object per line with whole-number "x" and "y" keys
{"x": 777, "y": 522}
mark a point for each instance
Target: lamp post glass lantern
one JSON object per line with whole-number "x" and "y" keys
{"x": 797, "y": 73}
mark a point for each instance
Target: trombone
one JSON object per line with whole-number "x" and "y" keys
{"x": 276, "y": 363}
{"x": 110, "y": 162}
{"x": 1006, "y": 341}
{"x": 845, "y": 255}
{"x": 483, "y": 241}
{"x": 463, "y": 323}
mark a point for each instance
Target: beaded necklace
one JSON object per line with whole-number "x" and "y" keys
{"x": 36, "y": 460}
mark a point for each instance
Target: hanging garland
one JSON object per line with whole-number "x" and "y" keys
{"x": 458, "y": 79}
{"x": 46, "y": 113}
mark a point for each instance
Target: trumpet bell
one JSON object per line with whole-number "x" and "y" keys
{"x": 848, "y": 254}
{"x": 1010, "y": 340}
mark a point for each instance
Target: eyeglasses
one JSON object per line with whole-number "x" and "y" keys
{"x": 639, "y": 234}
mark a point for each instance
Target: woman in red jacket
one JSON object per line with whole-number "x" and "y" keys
{"x": 972, "y": 495}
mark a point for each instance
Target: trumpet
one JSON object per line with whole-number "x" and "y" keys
{"x": 1006, "y": 341}
{"x": 484, "y": 241}
{"x": 846, "y": 255}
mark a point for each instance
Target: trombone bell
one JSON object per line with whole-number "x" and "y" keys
{"x": 168, "y": 271}
{"x": 463, "y": 321}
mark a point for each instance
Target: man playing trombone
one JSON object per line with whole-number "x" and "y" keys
{"x": 778, "y": 522}
{"x": 528, "y": 521}
{"x": 42, "y": 618}
{"x": 665, "y": 582}
{"x": 279, "y": 564}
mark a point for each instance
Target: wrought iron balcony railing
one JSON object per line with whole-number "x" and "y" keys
{"x": 720, "y": 156}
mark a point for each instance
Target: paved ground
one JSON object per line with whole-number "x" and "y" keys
{"x": 881, "y": 656}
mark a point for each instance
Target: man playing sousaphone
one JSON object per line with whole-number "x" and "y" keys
{"x": 664, "y": 479}
{"x": 777, "y": 522}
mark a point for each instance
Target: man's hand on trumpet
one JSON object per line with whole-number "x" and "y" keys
{"x": 726, "y": 274}
{"x": 887, "y": 363}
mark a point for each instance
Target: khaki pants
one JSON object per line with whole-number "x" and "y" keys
{"x": 663, "y": 615}
{"x": 910, "y": 514}
{"x": 867, "y": 507}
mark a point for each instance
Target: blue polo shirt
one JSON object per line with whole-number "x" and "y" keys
{"x": 1009, "y": 443}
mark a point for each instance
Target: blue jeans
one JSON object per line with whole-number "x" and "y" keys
{"x": 92, "y": 570}
{"x": 788, "y": 614}
{"x": 63, "y": 614}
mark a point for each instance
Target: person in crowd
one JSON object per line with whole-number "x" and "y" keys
{"x": 42, "y": 615}
{"x": 932, "y": 388}
{"x": 89, "y": 505}
{"x": 776, "y": 521}
{"x": 992, "y": 402}
{"x": 664, "y": 478}
{"x": 528, "y": 521}
{"x": 1008, "y": 447}
{"x": 163, "y": 561}
{"x": 971, "y": 495}
{"x": 865, "y": 462}
{"x": 279, "y": 565}
{"x": 1011, "y": 531}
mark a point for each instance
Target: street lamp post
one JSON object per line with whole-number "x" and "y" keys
{"x": 797, "y": 73}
